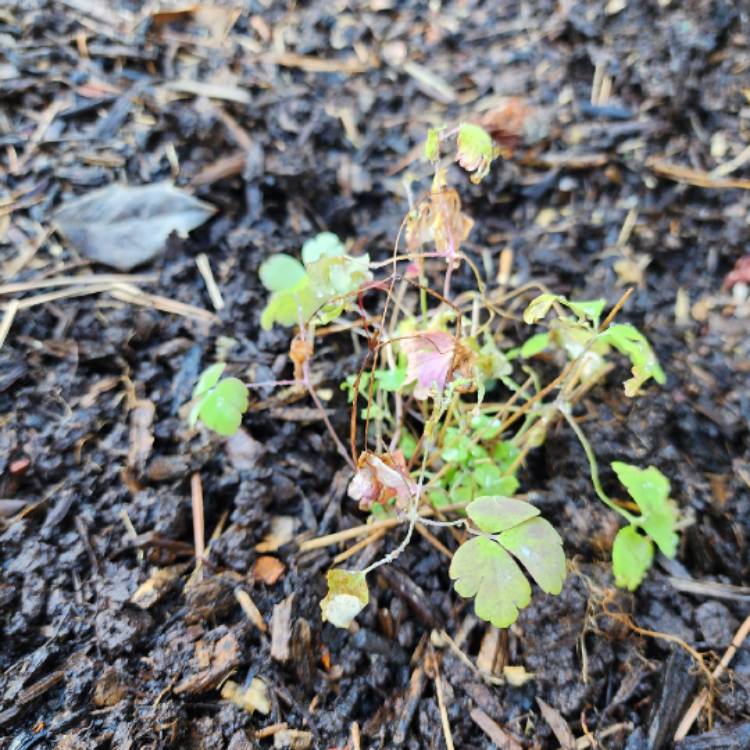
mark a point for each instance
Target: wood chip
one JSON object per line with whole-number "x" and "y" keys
{"x": 156, "y": 585}
{"x": 558, "y": 725}
{"x": 210, "y": 90}
{"x": 251, "y": 699}
{"x": 293, "y": 739}
{"x": 268, "y": 569}
{"x": 695, "y": 177}
{"x": 204, "y": 266}
{"x": 250, "y": 609}
{"x": 8, "y": 318}
{"x": 141, "y": 434}
{"x": 281, "y": 629}
{"x": 492, "y": 729}
{"x": 281, "y": 533}
{"x": 222, "y": 658}
{"x": 135, "y": 296}
{"x": 430, "y": 83}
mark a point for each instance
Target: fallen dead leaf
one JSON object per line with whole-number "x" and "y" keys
{"x": 124, "y": 226}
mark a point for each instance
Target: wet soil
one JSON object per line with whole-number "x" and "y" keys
{"x": 301, "y": 118}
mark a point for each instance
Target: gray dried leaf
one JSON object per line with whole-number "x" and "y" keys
{"x": 124, "y": 226}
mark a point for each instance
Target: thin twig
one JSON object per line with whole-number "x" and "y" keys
{"x": 204, "y": 266}
{"x": 196, "y": 498}
{"x": 700, "y": 701}
{"x": 7, "y": 322}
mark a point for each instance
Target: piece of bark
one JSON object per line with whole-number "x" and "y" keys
{"x": 731, "y": 737}
{"x": 411, "y": 701}
{"x": 676, "y": 687}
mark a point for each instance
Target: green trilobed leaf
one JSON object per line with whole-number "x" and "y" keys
{"x": 481, "y": 568}
{"x": 589, "y": 309}
{"x": 281, "y": 272}
{"x": 495, "y": 514}
{"x": 208, "y": 379}
{"x": 650, "y": 490}
{"x": 323, "y": 245}
{"x": 288, "y": 306}
{"x": 539, "y": 307}
{"x": 632, "y": 556}
{"x": 222, "y": 408}
{"x": 628, "y": 340}
{"x": 347, "y": 596}
{"x": 335, "y": 276}
{"x": 539, "y": 548}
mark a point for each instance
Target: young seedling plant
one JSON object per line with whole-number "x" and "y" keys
{"x": 444, "y": 409}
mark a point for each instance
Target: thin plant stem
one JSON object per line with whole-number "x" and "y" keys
{"x": 313, "y": 394}
{"x": 593, "y": 467}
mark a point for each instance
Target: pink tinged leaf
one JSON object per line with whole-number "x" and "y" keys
{"x": 429, "y": 358}
{"x": 740, "y": 273}
{"x": 363, "y": 487}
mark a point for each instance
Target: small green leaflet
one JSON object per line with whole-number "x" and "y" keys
{"x": 628, "y": 340}
{"x": 347, "y": 596}
{"x": 588, "y": 310}
{"x": 534, "y": 345}
{"x": 281, "y": 272}
{"x": 323, "y": 245}
{"x": 495, "y": 514}
{"x": 650, "y": 490}
{"x": 299, "y": 291}
{"x": 219, "y": 404}
{"x": 539, "y": 307}
{"x": 483, "y": 568}
{"x": 432, "y": 145}
{"x": 475, "y": 150}
{"x": 632, "y": 556}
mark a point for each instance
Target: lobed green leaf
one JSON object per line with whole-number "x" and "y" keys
{"x": 628, "y": 340}
{"x": 650, "y": 490}
{"x": 482, "y": 569}
{"x": 539, "y": 547}
{"x": 281, "y": 272}
{"x": 323, "y": 245}
{"x": 495, "y": 514}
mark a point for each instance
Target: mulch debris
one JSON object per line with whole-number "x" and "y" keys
{"x": 265, "y": 123}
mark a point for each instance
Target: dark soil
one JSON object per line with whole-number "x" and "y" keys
{"x": 94, "y": 93}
